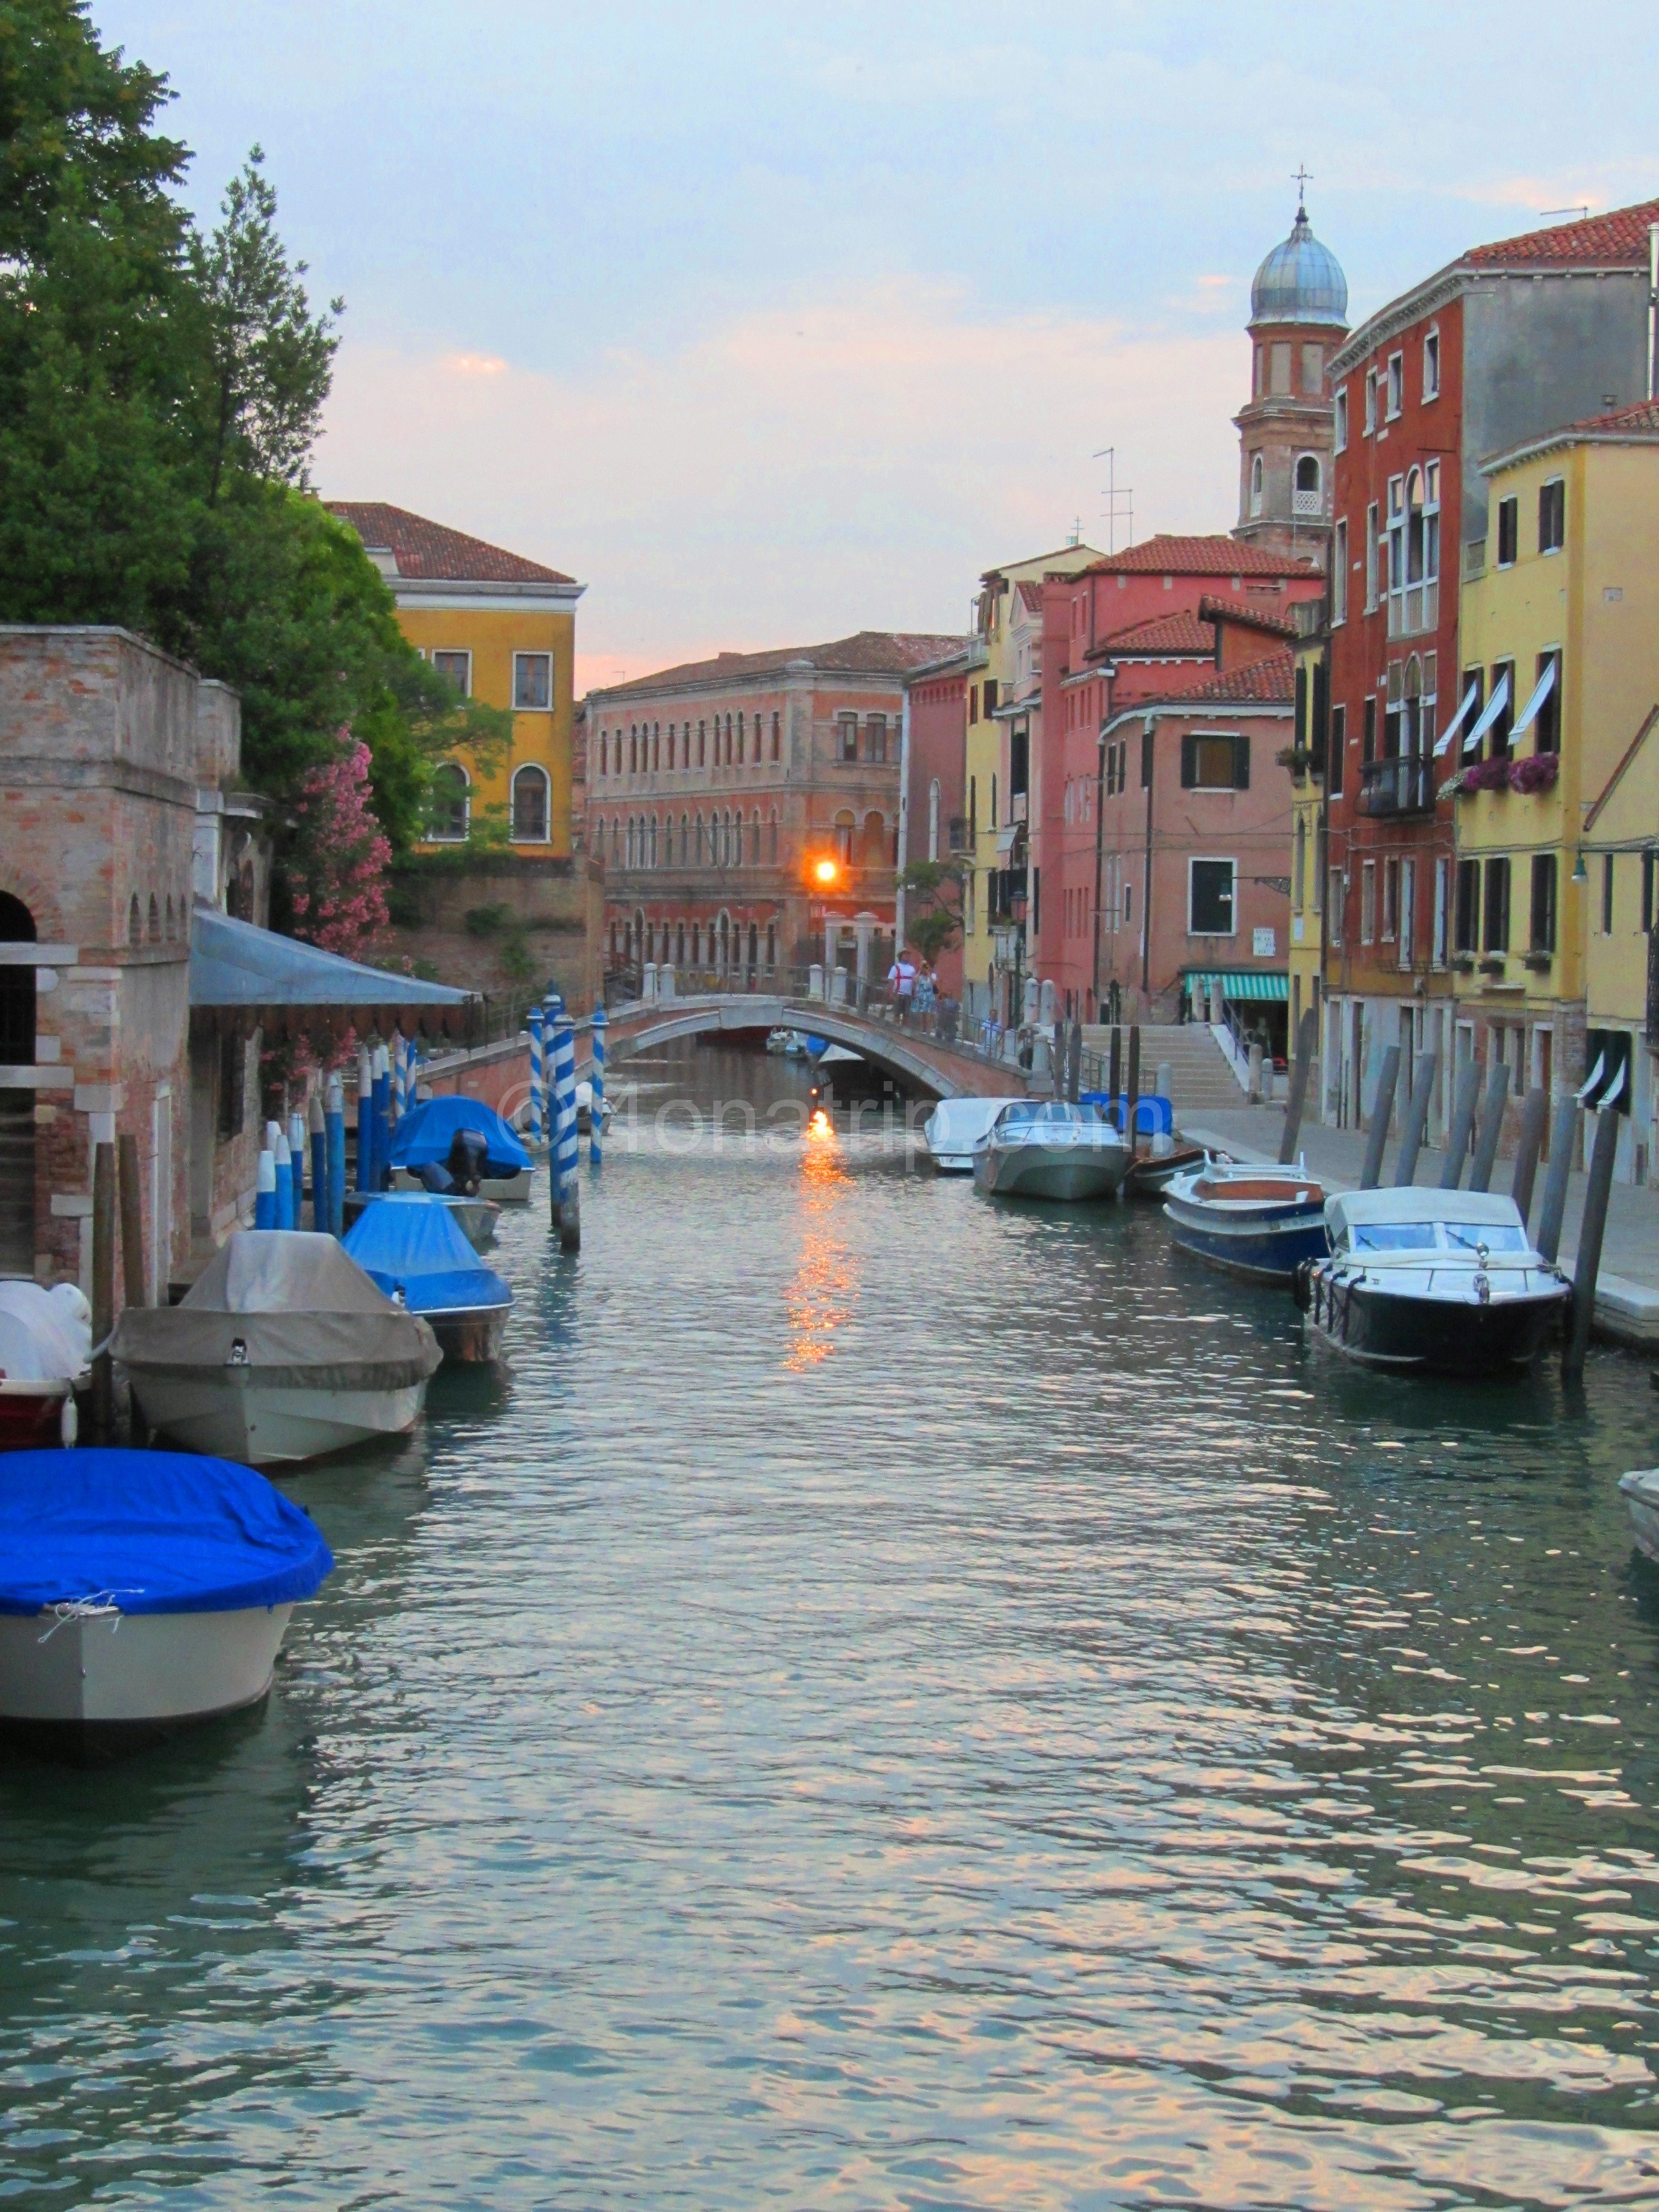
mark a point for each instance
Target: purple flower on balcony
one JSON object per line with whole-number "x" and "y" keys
{"x": 1485, "y": 776}
{"x": 1536, "y": 773}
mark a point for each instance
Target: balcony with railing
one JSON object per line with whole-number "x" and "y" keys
{"x": 1392, "y": 788}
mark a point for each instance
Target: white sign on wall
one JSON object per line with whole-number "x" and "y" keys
{"x": 1265, "y": 944}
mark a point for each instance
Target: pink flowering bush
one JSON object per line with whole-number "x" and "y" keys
{"x": 337, "y": 868}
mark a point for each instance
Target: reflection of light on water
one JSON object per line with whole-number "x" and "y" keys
{"x": 819, "y": 1298}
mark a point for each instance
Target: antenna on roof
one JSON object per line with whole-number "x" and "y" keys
{"x": 1109, "y": 455}
{"x": 1582, "y": 212}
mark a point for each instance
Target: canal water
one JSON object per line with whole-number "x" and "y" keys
{"x": 896, "y": 1701}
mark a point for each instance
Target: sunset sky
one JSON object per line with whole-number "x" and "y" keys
{"x": 772, "y": 323}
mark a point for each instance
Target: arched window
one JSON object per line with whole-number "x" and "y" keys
{"x": 679, "y": 945}
{"x": 772, "y": 838}
{"x": 653, "y": 841}
{"x": 169, "y": 924}
{"x": 740, "y": 741}
{"x": 725, "y": 928}
{"x": 1412, "y": 744}
{"x": 17, "y": 1009}
{"x": 846, "y": 831}
{"x": 1255, "y": 485}
{"x": 874, "y": 854}
{"x": 685, "y": 840}
{"x": 726, "y": 838}
{"x": 155, "y": 920}
{"x": 728, "y": 741}
{"x": 697, "y": 834}
{"x": 1307, "y": 477}
{"x": 668, "y": 758}
{"x": 933, "y": 819}
{"x": 530, "y": 809}
{"x": 449, "y": 810}
{"x": 656, "y": 745}
{"x": 754, "y": 839}
{"x": 754, "y": 945}
{"x": 604, "y": 752}
{"x": 771, "y": 947}
{"x": 702, "y": 744}
{"x": 777, "y": 735}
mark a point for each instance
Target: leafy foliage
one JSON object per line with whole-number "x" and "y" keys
{"x": 932, "y": 925}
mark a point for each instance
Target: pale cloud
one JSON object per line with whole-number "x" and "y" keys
{"x": 800, "y": 471}
{"x": 474, "y": 364}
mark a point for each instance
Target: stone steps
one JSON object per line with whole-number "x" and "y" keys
{"x": 1201, "y": 1076}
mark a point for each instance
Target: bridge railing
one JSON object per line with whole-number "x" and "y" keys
{"x": 921, "y": 1012}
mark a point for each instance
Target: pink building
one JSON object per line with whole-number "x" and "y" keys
{"x": 933, "y": 795}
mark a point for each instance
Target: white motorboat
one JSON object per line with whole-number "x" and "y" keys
{"x": 1435, "y": 1280}
{"x": 141, "y": 1590}
{"x": 955, "y": 1127}
{"x": 790, "y": 1042}
{"x": 1640, "y": 1491}
{"x": 45, "y": 1344}
{"x": 281, "y": 1349}
{"x": 1048, "y": 1149}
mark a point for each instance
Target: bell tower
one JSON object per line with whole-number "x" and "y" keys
{"x": 1298, "y": 318}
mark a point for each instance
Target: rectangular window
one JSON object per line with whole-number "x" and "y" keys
{"x": 1390, "y": 900}
{"x": 1313, "y": 370}
{"x": 1341, "y": 421}
{"x": 1373, "y": 543}
{"x": 1407, "y": 913}
{"x": 1210, "y": 762}
{"x": 973, "y": 704}
{"x": 990, "y": 697}
{"x": 1547, "y": 724}
{"x": 1508, "y": 532}
{"x": 846, "y": 737}
{"x": 875, "y": 731}
{"x": 1367, "y": 901}
{"x": 1503, "y": 671}
{"x": 1607, "y": 894}
{"x": 1495, "y": 937}
{"x": 1338, "y": 750}
{"x": 1367, "y": 737}
{"x": 1278, "y": 367}
{"x": 457, "y": 667}
{"x": 1543, "y": 902}
{"x": 1371, "y": 401}
{"x": 777, "y": 736}
{"x": 1210, "y": 898}
{"x": 1339, "y": 573}
{"x": 1467, "y": 938}
{"x": 1397, "y": 384}
{"x": 1442, "y": 918}
{"x": 1336, "y": 893}
{"x": 1551, "y": 515}
{"x": 1432, "y": 366}
{"x": 1146, "y": 760}
{"x": 532, "y": 682}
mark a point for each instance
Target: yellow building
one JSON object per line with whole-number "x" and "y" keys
{"x": 1560, "y": 645}
{"x": 1309, "y": 752}
{"x": 1002, "y": 759}
{"x": 505, "y": 629}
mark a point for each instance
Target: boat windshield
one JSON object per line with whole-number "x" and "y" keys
{"x": 1395, "y": 1236}
{"x": 1496, "y": 1236}
{"x": 1436, "y": 1236}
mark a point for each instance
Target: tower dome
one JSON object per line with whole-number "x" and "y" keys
{"x": 1301, "y": 281}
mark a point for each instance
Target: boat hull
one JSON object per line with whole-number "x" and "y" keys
{"x": 1072, "y": 1174}
{"x": 1640, "y": 1491}
{"x": 1383, "y": 1328}
{"x": 230, "y": 1413}
{"x": 1152, "y": 1177}
{"x": 34, "y": 1416}
{"x": 103, "y": 1673}
{"x": 469, "y": 1338}
{"x": 1265, "y": 1246}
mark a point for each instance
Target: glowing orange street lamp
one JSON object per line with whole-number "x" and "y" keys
{"x": 826, "y": 872}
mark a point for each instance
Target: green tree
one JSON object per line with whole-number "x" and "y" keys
{"x": 931, "y": 924}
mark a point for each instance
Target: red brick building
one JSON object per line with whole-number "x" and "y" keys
{"x": 713, "y": 788}
{"x": 1507, "y": 342}
{"x": 933, "y": 780}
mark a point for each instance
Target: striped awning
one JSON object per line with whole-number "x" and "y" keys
{"x": 1237, "y": 983}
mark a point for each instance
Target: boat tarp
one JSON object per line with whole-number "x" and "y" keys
{"x": 424, "y": 1136}
{"x": 1476, "y": 1209}
{"x": 46, "y": 1336}
{"x": 236, "y": 963}
{"x": 302, "y": 1310}
{"x": 150, "y": 1532}
{"x": 415, "y": 1245}
{"x": 956, "y": 1124}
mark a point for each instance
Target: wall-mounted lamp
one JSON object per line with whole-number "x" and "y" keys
{"x": 1580, "y": 872}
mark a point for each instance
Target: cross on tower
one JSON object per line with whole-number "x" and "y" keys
{"x": 1303, "y": 179}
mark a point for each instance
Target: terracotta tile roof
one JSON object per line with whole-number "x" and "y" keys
{"x": 1271, "y": 682}
{"x": 1618, "y": 240}
{"x": 866, "y": 652}
{"x": 436, "y": 555}
{"x": 1197, "y": 556}
{"x": 1182, "y": 635}
{"x": 1643, "y": 416}
{"x": 1247, "y": 617}
{"x": 1030, "y": 597}
{"x": 1634, "y": 425}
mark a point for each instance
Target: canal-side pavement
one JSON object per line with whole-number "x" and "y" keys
{"x": 1627, "y": 1293}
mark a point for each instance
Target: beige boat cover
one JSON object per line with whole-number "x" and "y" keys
{"x": 303, "y": 1312}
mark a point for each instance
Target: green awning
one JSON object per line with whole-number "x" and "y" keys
{"x": 1237, "y": 983}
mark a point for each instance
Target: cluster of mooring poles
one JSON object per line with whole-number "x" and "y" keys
{"x": 386, "y": 1080}
{"x": 1477, "y": 1127}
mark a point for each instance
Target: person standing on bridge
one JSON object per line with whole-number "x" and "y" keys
{"x": 902, "y": 984}
{"x": 927, "y": 993}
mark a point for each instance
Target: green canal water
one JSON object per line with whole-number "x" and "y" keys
{"x": 895, "y": 1700}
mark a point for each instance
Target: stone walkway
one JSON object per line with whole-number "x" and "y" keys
{"x": 1627, "y": 1293}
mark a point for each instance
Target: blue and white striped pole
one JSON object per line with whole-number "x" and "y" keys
{"x": 596, "y": 1106}
{"x": 334, "y": 1136}
{"x": 318, "y": 1150}
{"x": 264, "y": 1190}
{"x": 382, "y": 1118}
{"x": 365, "y": 1119}
{"x": 536, "y": 1086}
{"x": 297, "y": 1153}
{"x": 285, "y": 1183}
{"x": 563, "y": 1136}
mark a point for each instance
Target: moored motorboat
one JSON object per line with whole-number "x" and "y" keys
{"x": 789, "y": 1043}
{"x": 459, "y": 1146}
{"x": 1049, "y": 1149}
{"x": 412, "y": 1249}
{"x": 283, "y": 1349}
{"x": 1151, "y": 1174}
{"x": 45, "y": 1343}
{"x": 1259, "y": 1223}
{"x": 1640, "y": 1491}
{"x": 1442, "y": 1280}
{"x": 143, "y": 1590}
{"x": 475, "y": 1217}
{"x": 955, "y": 1127}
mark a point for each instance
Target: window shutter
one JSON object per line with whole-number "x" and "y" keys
{"x": 1189, "y": 761}
{"x": 1241, "y": 762}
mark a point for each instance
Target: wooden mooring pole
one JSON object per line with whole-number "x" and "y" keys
{"x": 1491, "y": 1129}
{"x": 1115, "y": 1077}
{"x": 103, "y": 1289}
{"x": 1417, "y": 1119}
{"x": 1382, "y": 1113}
{"x": 1131, "y": 1112}
{"x": 1588, "y": 1265}
{"x": 1462, "y": 1123}
{"x": 1534, "y": 1109}
{"x": 132, "y": 1222}
{"x": 1307, "y": 1035}
{"x": 1564, "y": 1143}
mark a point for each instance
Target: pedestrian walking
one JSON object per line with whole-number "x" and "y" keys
{"x": 902, "y": 984}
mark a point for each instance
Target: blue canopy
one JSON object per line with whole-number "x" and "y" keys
{"x": 413, "y": 1243}
{"x": 426, "y": 1134}
{"x": 150, "y": 1532}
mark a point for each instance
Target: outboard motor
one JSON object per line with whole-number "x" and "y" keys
{"x": 468, "y": 1156}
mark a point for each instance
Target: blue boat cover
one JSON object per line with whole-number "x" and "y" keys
{"x": 150, "y": 1532}
{"x": 413, "y": 1243}
{"x": 427, "y": 1132}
